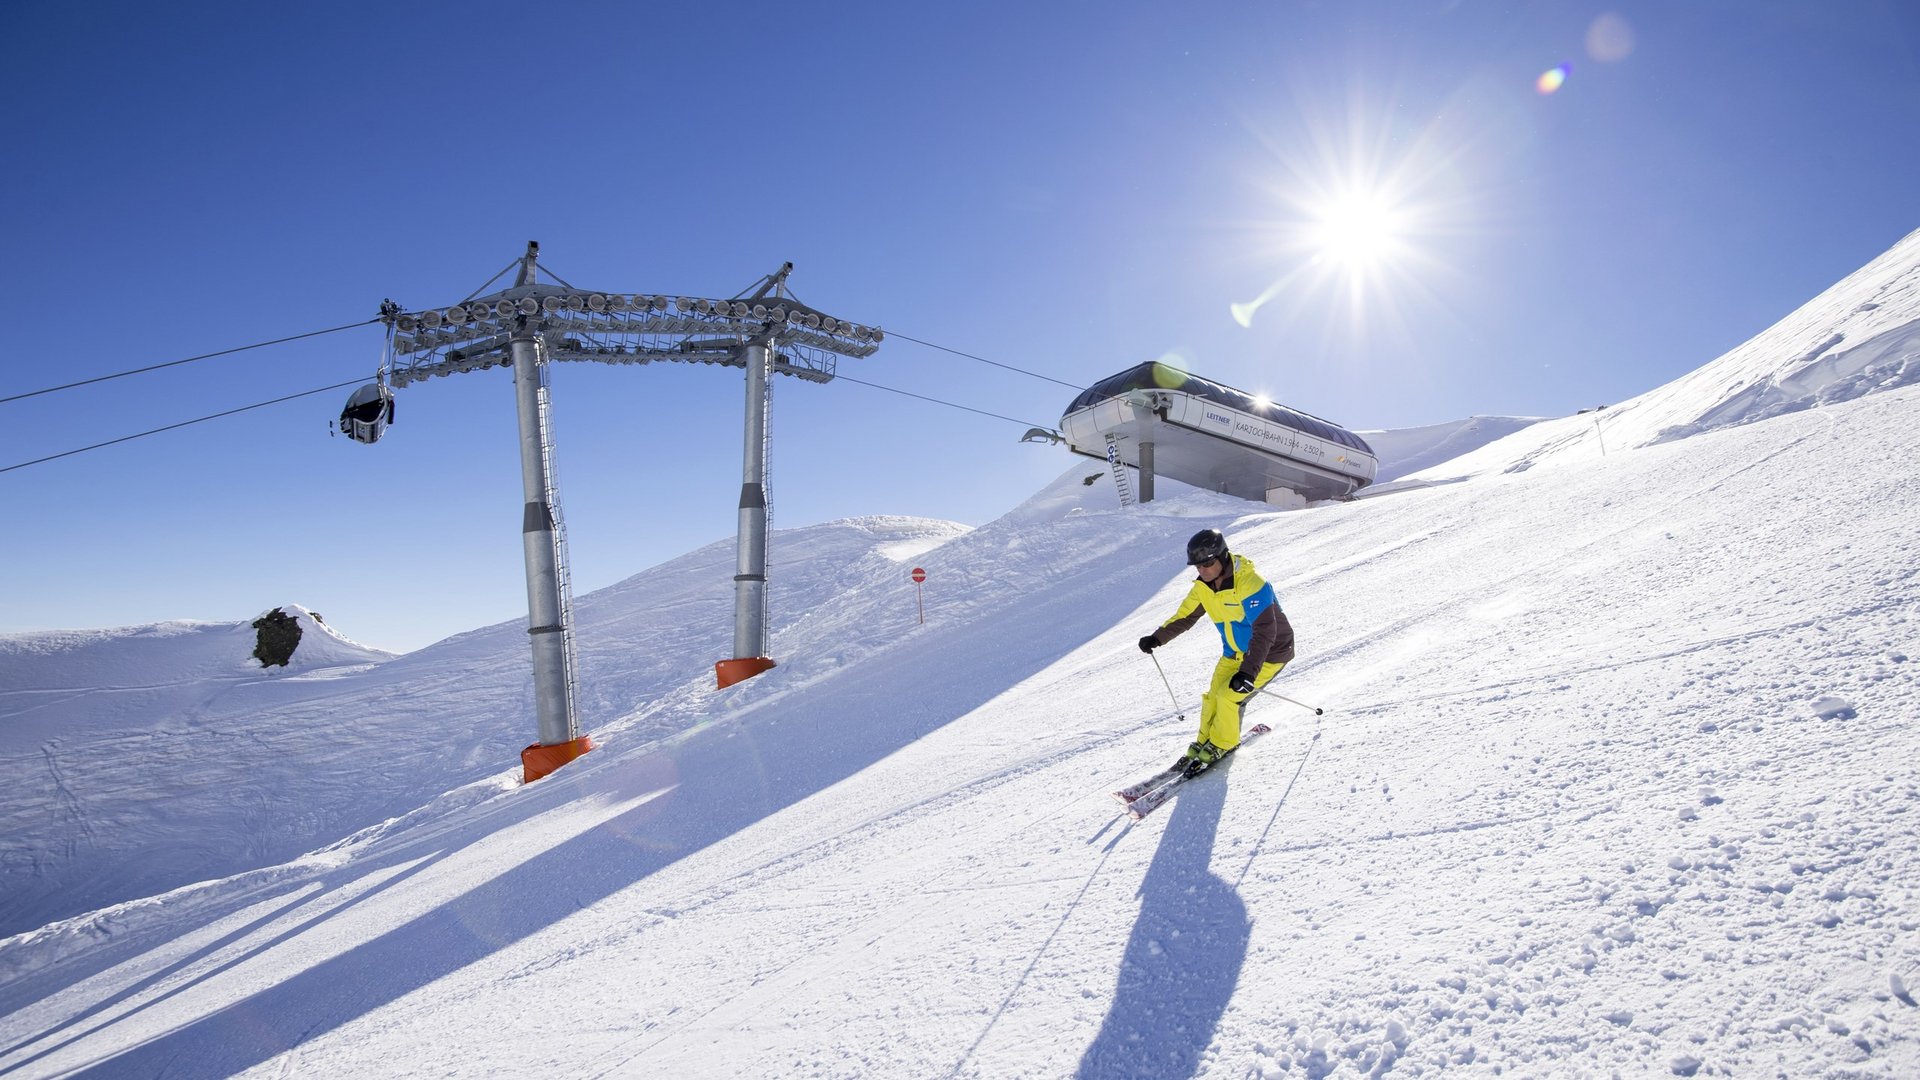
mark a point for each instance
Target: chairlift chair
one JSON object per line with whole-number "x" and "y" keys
{"x": 368, "y": 413}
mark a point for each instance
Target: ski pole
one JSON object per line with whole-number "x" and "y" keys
{"x": 1316, "y": 709}
{"x": 1178, "y": 711}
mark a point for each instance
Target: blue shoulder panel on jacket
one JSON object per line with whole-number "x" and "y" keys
{"x": 1261, "y": 601}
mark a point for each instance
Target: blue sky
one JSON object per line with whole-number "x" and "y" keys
{"x": 1069, "y": 188}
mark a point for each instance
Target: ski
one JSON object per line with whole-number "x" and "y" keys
{"x": 1146, "y": 803}
{"x": 1133, "y": 791}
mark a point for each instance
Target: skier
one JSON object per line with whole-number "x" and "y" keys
{"x": 1256, "y": 641}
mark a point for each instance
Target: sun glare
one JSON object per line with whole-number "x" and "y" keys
{"x": 1364, "y": 211}
{"x": 1357, "y": 230}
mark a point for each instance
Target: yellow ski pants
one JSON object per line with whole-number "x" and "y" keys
{"x": 1220, "y": 707}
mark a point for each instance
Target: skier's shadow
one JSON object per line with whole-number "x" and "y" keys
{"x": 1184, "y": 956}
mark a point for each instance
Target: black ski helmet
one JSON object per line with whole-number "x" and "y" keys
{"x": 1206, "y": 545}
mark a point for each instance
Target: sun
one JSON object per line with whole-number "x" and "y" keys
{"x": 1358, "y": 238}
{"x": 1357, "y": 230}
{"x": 1361, "y": 211}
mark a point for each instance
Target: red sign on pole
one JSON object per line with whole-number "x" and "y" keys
{"x": 919, "y": 576}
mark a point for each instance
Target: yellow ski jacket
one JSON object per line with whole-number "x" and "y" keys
{"x": 1246, "y": 611}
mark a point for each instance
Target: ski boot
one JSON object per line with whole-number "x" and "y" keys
{"x": 1200, "y": 757}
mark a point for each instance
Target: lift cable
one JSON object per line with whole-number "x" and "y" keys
{"x": 188, "y": 360}
{"x": 183, "y": 423}
{"x": 936, "y": 401}
{"x": 369, "y": 322}
{"x": 337, "y": 386}
{"x": 356, "y": 382}
{"x": 982, "y": 359}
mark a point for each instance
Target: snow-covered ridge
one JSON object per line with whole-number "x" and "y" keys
{"x": 170, "y": 652}
{"x": 1409, "y": 450}
{"x": 1860, "y": 336}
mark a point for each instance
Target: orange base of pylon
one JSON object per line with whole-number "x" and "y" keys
{"x": 729, "y": 672}
{"x": 537, "y": 761}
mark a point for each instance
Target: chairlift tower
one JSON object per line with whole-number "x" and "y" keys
{"x": 531, "y": 325}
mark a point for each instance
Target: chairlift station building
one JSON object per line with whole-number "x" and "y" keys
{"x": 1165, "y": 422}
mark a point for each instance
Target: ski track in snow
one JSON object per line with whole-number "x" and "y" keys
{"x": 1615, "y": 777}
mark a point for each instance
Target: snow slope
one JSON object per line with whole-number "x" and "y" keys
{"x": 1860, "y": 336}
{"x": 143, "y": 759}
{"x": 1409, "y": 450}
{"x": 1614, "y": 777}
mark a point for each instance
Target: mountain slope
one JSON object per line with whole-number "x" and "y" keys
{"x": 60, "y": 679}
{"x": 1860, "y": 336}
{"x": 1410, "y": 450}
{"x": 1609, "y": 781}
{"x": 147, "y": 758}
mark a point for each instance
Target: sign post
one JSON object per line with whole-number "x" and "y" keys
{"x": 919, "y": 576}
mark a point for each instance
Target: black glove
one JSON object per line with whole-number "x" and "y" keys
{"x": 1240, "y": 684}
{"x": 1149, "y": 643}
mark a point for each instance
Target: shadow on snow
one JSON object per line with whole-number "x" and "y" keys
{"x": 1184, "y": 956}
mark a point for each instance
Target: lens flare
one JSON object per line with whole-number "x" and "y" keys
{"x": 1553, "y": 79}
{"x": 1243, "y": 313}
{"x": 1610, "y": 38}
